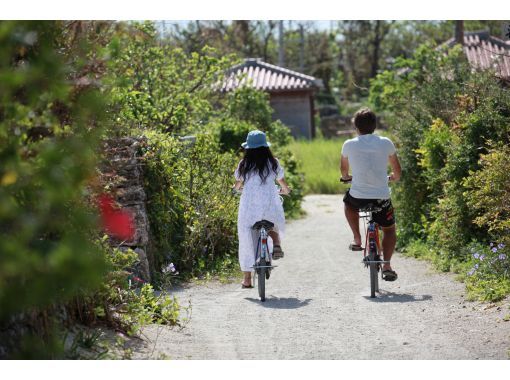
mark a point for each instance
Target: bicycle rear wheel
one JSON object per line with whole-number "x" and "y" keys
{"x": 262, "y": 283}
{"x": 373, "y": 280}
{"x": 374, "y": 269}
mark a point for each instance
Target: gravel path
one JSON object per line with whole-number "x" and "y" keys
{"x": 318, "y": 307}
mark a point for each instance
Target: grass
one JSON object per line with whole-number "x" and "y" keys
{"x": 319, "y": 159}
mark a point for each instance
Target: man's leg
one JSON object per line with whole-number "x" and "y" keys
{"x": 353, "y": 218}
{"x": 388, "y": 244}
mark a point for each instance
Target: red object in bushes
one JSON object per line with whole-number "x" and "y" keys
{"x": 117, "y": 223}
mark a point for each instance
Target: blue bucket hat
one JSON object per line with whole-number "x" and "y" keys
{"x": 255, "y": 139}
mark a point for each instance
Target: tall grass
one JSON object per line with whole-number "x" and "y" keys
{"x": 320, "y": 160}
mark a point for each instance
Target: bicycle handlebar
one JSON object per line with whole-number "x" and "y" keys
{"x": 350, "y": 180}
{"x": 239, "y": 192}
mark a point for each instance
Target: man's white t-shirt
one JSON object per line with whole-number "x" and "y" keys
{"x": 368, "y": 159}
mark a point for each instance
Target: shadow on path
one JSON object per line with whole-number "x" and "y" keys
{"x": 385, "y": 296}
{"x": 280, "y": 303}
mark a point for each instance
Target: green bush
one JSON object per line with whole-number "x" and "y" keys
{"x": 48, "y": 137}
{"x": 158, "y": 87}
{"x": 191, "y": 212}
{"x": 445, "y": 117}
{"x": 489, "y": 276}
{"x": 488, "y": 193}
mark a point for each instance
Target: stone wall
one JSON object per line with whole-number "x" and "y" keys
{"x": 122, "y": 169}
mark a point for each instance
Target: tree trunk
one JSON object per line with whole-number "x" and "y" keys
{"x": 281, "y": 49}
{"x": 459, "y": 32}
{"x": 377, "y": 46}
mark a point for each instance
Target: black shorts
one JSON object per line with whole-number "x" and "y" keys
{"x": 385, "y": 217}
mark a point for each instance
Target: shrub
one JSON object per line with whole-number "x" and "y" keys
{"x": 488, "y": 193}
{"x": 452, "y": 131}
{"x": 159, "y": 87}
{"x": 191, "y": 212}
{"x": 489, "y": 276}
{"x": 48, "y": 134}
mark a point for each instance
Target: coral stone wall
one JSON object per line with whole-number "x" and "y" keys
{"x": 123, "y": 170}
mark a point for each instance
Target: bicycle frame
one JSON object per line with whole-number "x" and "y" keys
{"x": 372, "y": 240}
{"x": 264, "y": 249}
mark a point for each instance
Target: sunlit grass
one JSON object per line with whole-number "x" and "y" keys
{"x": 320, "y": 159}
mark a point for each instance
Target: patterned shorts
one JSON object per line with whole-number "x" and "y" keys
{"x": 385, "y": 217}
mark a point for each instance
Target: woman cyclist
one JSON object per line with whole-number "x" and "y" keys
{"x": 256, "y": 174}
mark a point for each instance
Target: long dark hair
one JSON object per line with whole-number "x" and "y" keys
{"x": 260, "y": 160}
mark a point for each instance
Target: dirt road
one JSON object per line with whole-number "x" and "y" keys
{"x": 318, "y": 307}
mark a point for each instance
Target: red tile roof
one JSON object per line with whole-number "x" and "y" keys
{"x": 267, "y": 77}
{"x": 484, "y": 51}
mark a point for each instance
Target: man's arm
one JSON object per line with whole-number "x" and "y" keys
{"x": 344, "y": 168}
{"x": 395, "y": 167}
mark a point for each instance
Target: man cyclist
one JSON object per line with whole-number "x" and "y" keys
{"x": 368, "y": 156}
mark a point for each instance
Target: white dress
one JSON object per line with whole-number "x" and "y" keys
{"x": 258, "y": 201}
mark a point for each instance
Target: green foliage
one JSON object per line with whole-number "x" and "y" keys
{"x": 147, "y": 308}
{"x": 445, "y": 117}
{"x": 489, "y": 276}
{"x": 47, "y": 255}
{"x": 488, "y": 193}
{"x": 320, "y": 160}
{"x": 162, "y": 88}
{"x": 51, "y": 122}
{"x": 247, "y": 109}
{"x": 193, "y": 214}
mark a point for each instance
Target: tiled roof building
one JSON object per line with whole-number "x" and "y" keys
{"x": 291, "y": 93}
{"x": 267, "y": 77}
{"x": 484, "y": 51}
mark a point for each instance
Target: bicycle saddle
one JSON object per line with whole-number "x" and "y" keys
{"x": 263, "y": 224}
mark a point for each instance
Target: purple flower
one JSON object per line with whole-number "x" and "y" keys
{"x": 482, "y": 257}
{"x": 501, "y": 246}
{"x": 502, "y": 256}
{"x": 491, "y": 244}
{"x": 476, "y": 266}
{"x": 476, "y": 255}
{"x": 471, "y": 272}
{"x": 494, "y": 250}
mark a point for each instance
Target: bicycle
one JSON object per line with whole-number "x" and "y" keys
{"x": 263, "y": 256}
{"x": 372, "y": 258}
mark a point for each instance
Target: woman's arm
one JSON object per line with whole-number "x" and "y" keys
{"x": 284, "y": 185}
{"x": 238, "y": 185}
